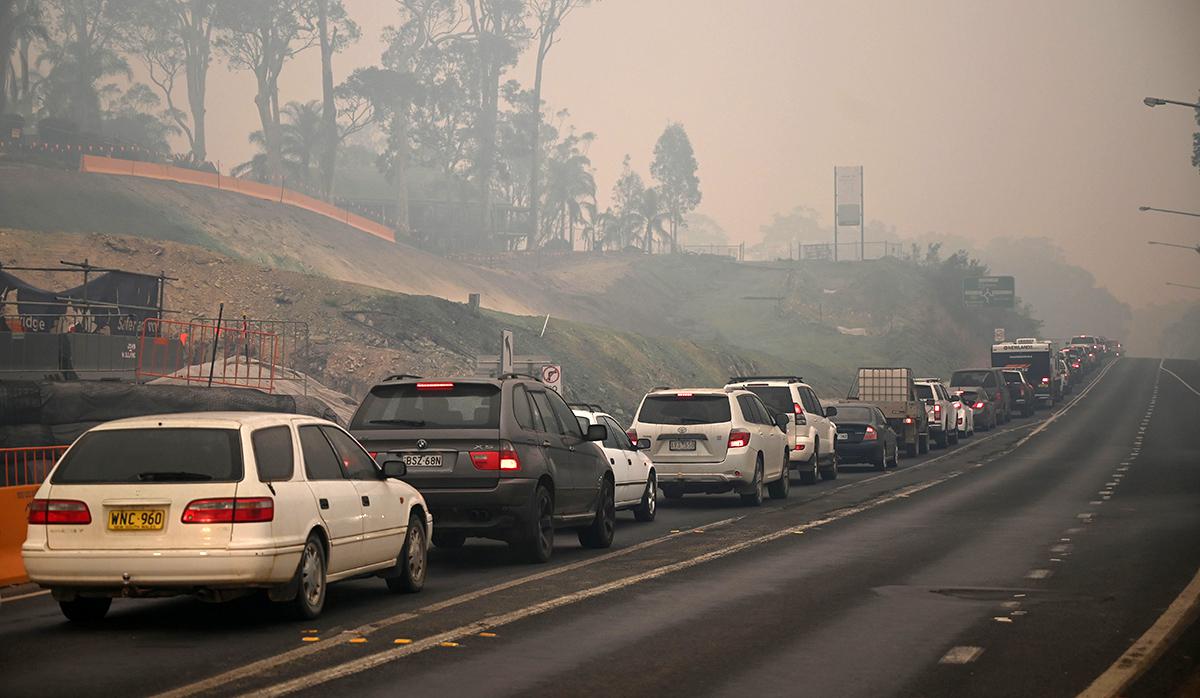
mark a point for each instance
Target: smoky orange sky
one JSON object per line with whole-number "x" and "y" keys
{"x": 971, "y": 118}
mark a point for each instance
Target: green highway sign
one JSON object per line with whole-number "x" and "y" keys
{"x": 989, "y": 292}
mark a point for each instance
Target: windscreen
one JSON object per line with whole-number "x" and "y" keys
{"x": 852, "y": 414}
{"x": 442, "y": 406}
{"x": 699, "y": 409}
{"x": 1083, "y": 339}
{"x": 153, "y": 455}
{"x": 924, "y": 392}
{"x": 779, "y": 400}
{"x": 1011, "y": 377}
{"x": 969, "y": 377}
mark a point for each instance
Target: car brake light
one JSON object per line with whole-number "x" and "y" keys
{"x": 496, "y": 460}
{"x": 632, "y": 434}
{"x": 683, "y": 396}
{"x": 870, "y": 434}
{"x": 59, "y": 511}
{"x": 908, "y": 420}
{"x": 230, "y": 510}
{"x": 978, "y": 405}
{"x": 937, "y": 409}
{"x": 1045, "y": 381}
{"x": 739, "y": 438}
{"x": 435, "y": 386}
{"x": 798, "y": 410}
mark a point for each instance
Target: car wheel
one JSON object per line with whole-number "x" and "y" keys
{"x": 953, "y": 437}
{"x": 754, "y": 498}
{"x": 880, "y": 462}
{"x": 536, "y": 542}
{"x": 923, "y": 443}
{"x": 85, "y": 609}
{"x": 649, "y": 507}
{"x": 896, "y": 456}
{"x": 779, "y": 489}
{"x": 599, "y": 534}
{"x": 310, "y": 589}
{"x": 831, "y": 472}
{"x": 912, "y": 450}
{"x": 809, "y": 476}
{"x": 449, "y": 539}
{"x": 413, "y": 560}
{"x": 943, "y": 439}
{"x": 672, "y": 492}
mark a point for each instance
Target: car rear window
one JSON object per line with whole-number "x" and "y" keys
{"x": 1010, "y": 377}
{"x": 924, "y": 392}
{"x": 778, "y": 399}
{"x": 852, "y": 413}
{"x": 977, "y": 378}
{"x": 443, "y": 406}
{"x": 114, "y": 456}
{"x": 697, "y": 409}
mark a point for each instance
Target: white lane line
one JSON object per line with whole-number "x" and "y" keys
{"x": 1050, "y": 420}
{"x": 1038, "y": 574}
{"x": 1161, "y": 367}
{"x": 1150, "y": 646}
{"x": 963, "y": 654}
{"x": 370, "y": 662}
{"x": 255, "y": 668}
{"x": 30, "y": 595}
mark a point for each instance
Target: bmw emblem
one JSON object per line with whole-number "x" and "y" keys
{"x": 422, "y": 444}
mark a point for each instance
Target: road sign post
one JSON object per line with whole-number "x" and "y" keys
{"x": 506, "y": 352}
{"x": 989, "y": 292}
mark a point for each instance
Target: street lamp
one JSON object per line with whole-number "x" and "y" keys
{"x": 1155, "y": 102}
{"x": 1172, "y": 244}
{"x": 1183, "y": 285}
{"x": 1168, "y": 210}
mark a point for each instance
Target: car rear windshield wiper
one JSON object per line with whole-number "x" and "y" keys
{"x": 172, "y": 476}
{"x": 400, "y": 422}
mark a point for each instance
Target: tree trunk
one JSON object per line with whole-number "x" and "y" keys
{"x": 6, "y": 49}
{"x": 262, "y": 100}
{"x": 329, "y": 131}
{"x": 198, "y": 56}
{"x": 535, "y": 167}
{"x": 400, "y": 167}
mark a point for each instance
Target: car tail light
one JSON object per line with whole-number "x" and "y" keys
{"x": 373, "y": 454}
{"x": 230, "y": 510}
{"x": 496, "y": 460}
{"x": 632, "y": 434}
{"x": 1045, "y": 381}
{"x": 435, "y": 386}
{"x": 59, "y": 511}
{"x": 937, "y": 409}
{"x": 683, "y": 396}
{"x": 908, "y": 420}
{"x": 798, "y": 410}
{"x": 739, "y": 438}
{"x": 978, "y": 405}
{"x": 870, "y": 434}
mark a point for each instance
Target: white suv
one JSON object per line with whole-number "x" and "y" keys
{"x": 217, "y": 504}
{"x": 812, "y": 435}
{"x": 712, "y": 440}
{"x": 940, "y": 408}
{"x": 636, "y": 484}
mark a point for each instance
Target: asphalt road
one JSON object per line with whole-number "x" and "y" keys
{"x": 1023, "y": 562}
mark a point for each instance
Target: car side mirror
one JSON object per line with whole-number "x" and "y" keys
{"x": 643, "y": 444}
{"x": 596, "y": 432}
{"x": 782, "y": 420}
{"x": 830, "y": 411}
{"x": 394, "y": 469}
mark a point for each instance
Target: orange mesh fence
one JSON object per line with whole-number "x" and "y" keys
{"x": 232, "y": 354}
{"x": 104, "y": 165}
{"x": 27, "y": 466}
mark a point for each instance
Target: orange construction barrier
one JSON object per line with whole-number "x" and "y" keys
{"x": 132, "y": 168}
{"x": 21, "y": 472}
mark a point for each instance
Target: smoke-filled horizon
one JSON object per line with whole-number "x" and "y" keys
{"x": 972, "y": 120}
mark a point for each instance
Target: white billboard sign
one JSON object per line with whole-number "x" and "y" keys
{"x": 848, "y": 195}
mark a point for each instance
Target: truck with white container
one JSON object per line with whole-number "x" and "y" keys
{"x": 894, "y": 392}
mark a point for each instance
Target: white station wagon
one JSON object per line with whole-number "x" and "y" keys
{"x": 217, "y": 505}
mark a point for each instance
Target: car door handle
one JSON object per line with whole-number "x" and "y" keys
{"x": 366, "y": 501}
{"x": 323, "y": 502}
{"x": 628, "y": 462}
{"x": 546, "y": 443}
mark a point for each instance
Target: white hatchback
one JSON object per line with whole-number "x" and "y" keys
{"x": 636, "y": 482}
{"x": 217, "y": 505}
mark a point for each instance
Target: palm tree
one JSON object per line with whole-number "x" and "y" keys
{"x": 24, "y": 25}
{"x": 650, "y": 218}
{"x": 300, "y": 137}
{"x": 569, "y": 182}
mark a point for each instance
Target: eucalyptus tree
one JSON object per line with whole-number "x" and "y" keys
{"x": 81, "y": 50}
{"x": 335, "y": 31}
{"x": 674, "y": 167}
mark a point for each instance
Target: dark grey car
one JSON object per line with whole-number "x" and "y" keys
{"x": 501, "y": 458}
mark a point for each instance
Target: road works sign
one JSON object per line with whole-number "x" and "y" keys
{"x": 989, "y": 292}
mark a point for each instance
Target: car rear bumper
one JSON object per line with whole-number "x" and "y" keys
{"x": 707, "y": 482}
{"x": 481, "y": 512}
{"x": 142, "y": 569}
{"x": 862, "y": 452}
{"x": 805, "y": 454}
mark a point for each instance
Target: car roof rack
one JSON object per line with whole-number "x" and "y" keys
{"x": 505, "y": 376}
{"x": 660, "y": 387}
{"x": 402, "y": 376}
{"x": 746, "y": 379}
{"x": 589, "y": 406}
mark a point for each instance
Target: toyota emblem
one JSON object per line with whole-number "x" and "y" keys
{"x": 682, "y": 430}
{"x": 422, "y": 444}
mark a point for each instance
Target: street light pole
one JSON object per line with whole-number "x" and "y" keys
{"x": 1183, "y": 285}
{"x": 1168, "y": 210}
{"x": 1196, "y": 248}
{"x": 1156, "y": 102}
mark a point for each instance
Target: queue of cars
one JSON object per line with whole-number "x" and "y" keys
{"x": 221, "y": 505}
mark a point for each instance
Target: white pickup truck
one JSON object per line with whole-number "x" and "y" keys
{"x": 940, "y": 409}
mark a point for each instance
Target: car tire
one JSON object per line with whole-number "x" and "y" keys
{"x": 311, "y": 580}
{"x": 535, "y": 543}
{"x": 779, "y": 489}
{"x": 943, "y": 439}
{"x": 831, "y": 472}
{"x": 413, "y": 560}
{"x": 913, "y": 450}
{"x": 809, "y": 476}
{"x": 754, "y": 498}
{"x": 449, "y": 539}
{"x": 646, "y": 511}
{"x": 599, "y": 533}
{"x": 923, "y": 443}
{"x": 896, "y": 456}
{"x": 953, "y": 434}
{"x": 881, "y": 462}
{"x": 672, "y": 492}
{"x": 85, "y": 609}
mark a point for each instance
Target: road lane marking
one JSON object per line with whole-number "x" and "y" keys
{"x": 1162, "y": 367}
{"x": 254, "y": 668}
{"x": 1066, "y": 408}
{"x": 356, "y": 666}
{"x": 963, "y": 654}
{"x": 1038, "y": 574}
{"x": 9, "y": 599}
{"x": 1150, "y": 646}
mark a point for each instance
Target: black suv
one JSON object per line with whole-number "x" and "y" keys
{"x": 501, "y": 458}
